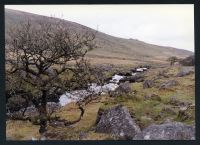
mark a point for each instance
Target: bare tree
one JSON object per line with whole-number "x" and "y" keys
{"x": 45, "y": 55}
{"x": 172, "y": 60}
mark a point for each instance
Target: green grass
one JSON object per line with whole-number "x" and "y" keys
{"x": 184, "y": 91}
{"x": 144, "y": 112}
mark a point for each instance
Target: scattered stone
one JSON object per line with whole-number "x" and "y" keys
{"x": 152, "y": 97}
{"x": 168, "y": 84}
{"x": 14, "y": 115}
{"x": 148, "y": 84}
{"x": 174, "y": 101}
{"x": 183, "y": 114}
{"x": 31, "y": 112}
{"x": 185, "y": 71}
{"x": 168, "y": 110}
{"x": 52, "y": 106}
{"x": 118, "y": 122}
{"x": 124, "y": 89}
{"x": 167, "y": 131}
{"x": 163, "y": 73}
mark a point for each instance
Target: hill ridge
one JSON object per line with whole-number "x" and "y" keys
{"x": 111, "y": 46}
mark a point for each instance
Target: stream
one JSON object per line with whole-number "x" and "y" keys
{"x": 77, "y": 95}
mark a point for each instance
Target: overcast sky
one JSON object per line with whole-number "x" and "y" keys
{"x": 166, "y": 25}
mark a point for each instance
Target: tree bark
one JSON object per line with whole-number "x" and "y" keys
{"x": 43, "y": 113}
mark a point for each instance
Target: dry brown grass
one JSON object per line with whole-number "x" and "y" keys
{"x": 21, "y": 130}
{"x": 142, "y": 110}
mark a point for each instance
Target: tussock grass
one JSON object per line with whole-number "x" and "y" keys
{"x": 21, "y": 130}
{"x": 143, "y": 112}
{"x": 184, "y": 91}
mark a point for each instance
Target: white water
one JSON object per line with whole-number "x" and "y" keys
{"x": 109, "y": 87}
{"x": 74, "y": 96}
{"x": 133, "y": 74}
{"x": 64, "y": 100}
{"x": 141, "y": 69}
{"x": 116, "y": 78}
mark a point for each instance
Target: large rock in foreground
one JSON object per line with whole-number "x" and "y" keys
{"x": 118, "y": 121}
{"x": 167, "y": 131}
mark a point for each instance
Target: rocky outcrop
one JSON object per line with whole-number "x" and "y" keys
{"x": 184, "y": 114}
{"x": 31, "y": 111}
{"x": 118, "y": 122}
{"x": 124, "y": 89}
{"x": 185, "y": 71}
{"x": 168, "y": 110}
{"x": 163, "y": 73}
{"x": 52, "y": 106}
{"x": 148, "y": 84}
{"x": 174, "y": 101}
{"x": 168, "y": 84}
{"x": 167, "y": 131}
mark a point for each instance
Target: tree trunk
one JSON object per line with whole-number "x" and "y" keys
{"x": 43, "y": 113}
{"x": 171, "y": 62}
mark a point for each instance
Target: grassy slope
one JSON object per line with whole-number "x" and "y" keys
{"x": 145, "y": 112}
{"x": 111, "y": 49}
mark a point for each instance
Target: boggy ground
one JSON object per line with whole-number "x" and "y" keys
{"x": 145, "y": 111}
